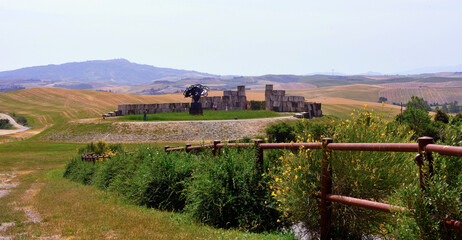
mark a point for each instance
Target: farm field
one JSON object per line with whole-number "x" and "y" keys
{"x": 431, "y": 95}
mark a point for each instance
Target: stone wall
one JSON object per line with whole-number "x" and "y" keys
{"x": 234, "y": 100}
{"x": 276, "y": 100}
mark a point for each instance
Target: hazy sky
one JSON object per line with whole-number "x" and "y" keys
{"x": 246, "y": 37}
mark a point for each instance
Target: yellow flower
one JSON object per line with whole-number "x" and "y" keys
{"x": 365, "y": 106}
{"x": 296, "y": 176}
{"x": 278, "y": 220}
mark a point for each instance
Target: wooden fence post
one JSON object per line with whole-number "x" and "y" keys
{"x": 215, "y": 148}
{"x": 259, "y": 155}
{"x": 166, "y": 148}
{"x": 186, "y": 148}
{"x": 326, "y": 189}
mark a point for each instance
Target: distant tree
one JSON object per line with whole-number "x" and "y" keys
{"x": 382, "y": 99}
{"x": 453, "y": 108}
{"x": 444, "y": 108}
{"x": 441, "y": 116}
{"x": 5, "y": 124}
{"x": 418, "y": 103}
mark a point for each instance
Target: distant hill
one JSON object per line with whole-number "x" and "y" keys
{"x": 115, "y": 72}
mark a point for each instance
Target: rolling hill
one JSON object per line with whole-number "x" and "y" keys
{"x": 91, "y": 74}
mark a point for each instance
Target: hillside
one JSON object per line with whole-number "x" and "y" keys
{"x": 91, "y": 74}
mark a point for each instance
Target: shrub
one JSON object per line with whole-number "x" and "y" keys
{"x": 228, "y": 192}
{"x": 367, "y": 175}
{"x": 101, "y": 147}
{"x": 257, "y": 105}
{"x": 280, "y": 132}
{"x": 441, "y": 116}
{"x": 159, "y": 181}
{"x": 79, "y": 171}
{"x": 308, "y": 130}
{"x": 5, "y": 124}
{"x": 19, "y": 119}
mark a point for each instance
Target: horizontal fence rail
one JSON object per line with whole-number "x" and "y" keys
{"x": 424, "y": 148}
{"x": 91, "y": 157}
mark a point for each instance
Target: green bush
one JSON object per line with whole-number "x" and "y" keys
{"x": 225, "y": 191}
{"x": 229, "y": 192}
{"x": 309, "y": 130}
{"x": 366, "y": 175}
{"x": 5, "y": 124}
{"x": 441, "y": 116}
{"x": 280, "y": 132}
{"x": 257, "y": 105}
{"x": 19, "y": 119}
{"x": 101, "y": 147}
{"x": 79, "y": 171}
{"x": 159, "y": 180}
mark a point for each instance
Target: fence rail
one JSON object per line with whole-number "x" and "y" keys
{"x": 91, "y": 157}
{"x": 424, "y": 147}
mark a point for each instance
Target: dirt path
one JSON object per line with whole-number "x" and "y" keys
{"x": 20, "y": 128}
{"x": 9, "y": 182}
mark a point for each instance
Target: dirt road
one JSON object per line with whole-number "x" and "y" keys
{"x": 19, "y": 128}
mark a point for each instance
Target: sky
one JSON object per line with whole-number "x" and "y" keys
{"x": 235, "y": 37}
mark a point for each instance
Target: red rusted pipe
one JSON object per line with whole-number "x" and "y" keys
{"x": 379, "y": 147}
{"x": 175, "y": 149}
{"x": 444, "y": 150}
{"x": 316, "y": 145}
{"x": 383, "y": 207}
{"x": 453, "y": 224}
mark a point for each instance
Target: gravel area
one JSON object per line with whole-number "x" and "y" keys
{"x": 168, "y": 131}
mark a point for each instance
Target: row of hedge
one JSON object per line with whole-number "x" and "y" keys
{"x": 226, "y": 191}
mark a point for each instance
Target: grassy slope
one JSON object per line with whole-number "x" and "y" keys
{"x": 45, "y": 107}
{"x": 83, "y": 212}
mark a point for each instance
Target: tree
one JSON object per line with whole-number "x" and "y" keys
{"x": 417, "y": 118}
{"x": 418, "y": 103}
{"x": 444, "y": 108}
{"x": 441, "y": 116}
{"x": 382, "y": 99}
{"x": 453, "y": 108}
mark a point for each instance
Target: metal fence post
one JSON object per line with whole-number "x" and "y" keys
{"x": 326, "y": 189}
{"x": 215, "y": 147}
{"x": 259, "y": 155}
{"x": 423, "y": 142}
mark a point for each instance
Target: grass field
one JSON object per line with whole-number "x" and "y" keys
{"x": 70, "y": 210}
{"x": 208, "y": 115}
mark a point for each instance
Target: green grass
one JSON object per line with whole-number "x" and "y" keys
{"x": 208, "y": 115}
{"x": 83, "y": 212}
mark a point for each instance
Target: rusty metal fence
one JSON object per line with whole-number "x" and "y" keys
{"x": 424, "y": 147}
{"x": 91, "y": 157}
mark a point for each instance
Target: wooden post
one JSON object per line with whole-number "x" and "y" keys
{"x": 326, "y": 189}
{"x": 259, "y": 155}
{"x": 166, "y": 148}
{"x": 186, "y": 148}
{"x": 215, "y": 148}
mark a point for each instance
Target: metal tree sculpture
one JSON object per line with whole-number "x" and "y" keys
{"x": 196, "y": 91}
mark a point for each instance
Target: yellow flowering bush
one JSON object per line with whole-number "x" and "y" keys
{"x": 367, "y": 175}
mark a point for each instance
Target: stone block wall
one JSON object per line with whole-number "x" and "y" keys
{"x": 276, "y": 100}
{"x": 235, "y": 100}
